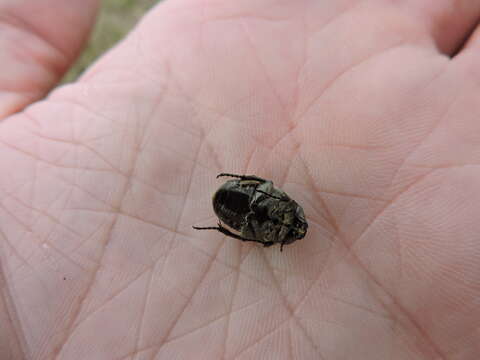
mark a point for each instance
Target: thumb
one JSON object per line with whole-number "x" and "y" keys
{"x": 39, "y": 40}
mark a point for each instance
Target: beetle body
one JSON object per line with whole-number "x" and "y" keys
{"x": 252, "y": 209}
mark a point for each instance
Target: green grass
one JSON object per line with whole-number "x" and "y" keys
{"x": 115, "y": 19}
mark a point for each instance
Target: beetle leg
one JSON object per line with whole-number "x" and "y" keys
{"x": 226, "y": 232}
{"x": 250, "y": 227}
{"x": 272, "y": 196}
{"x": 243, "y": 177}
{"x": 205, "y": 228}
{"x": 264, "y": 188}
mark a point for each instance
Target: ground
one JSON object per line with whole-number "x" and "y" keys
{"x": 115, "y": 19}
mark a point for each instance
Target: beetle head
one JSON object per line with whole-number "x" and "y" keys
{"x": 300, "y": 225}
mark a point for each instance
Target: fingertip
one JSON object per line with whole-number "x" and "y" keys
{"x": 447, "y": 22}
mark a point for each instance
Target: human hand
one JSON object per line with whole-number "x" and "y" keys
{"x": 355, "y": 108}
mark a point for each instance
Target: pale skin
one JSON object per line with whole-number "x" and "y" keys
{"x": 366, "y": 112}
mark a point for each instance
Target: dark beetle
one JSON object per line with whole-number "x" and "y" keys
{"x": 257, "y": 211}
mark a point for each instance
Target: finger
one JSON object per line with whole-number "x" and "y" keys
{"x": 473, "y": 43}
{"x": 466, "y": 71}
{"x": 448, "y": 22}
{"x": 38, "y": 41}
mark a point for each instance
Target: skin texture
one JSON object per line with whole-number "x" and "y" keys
{"x": 366, "y": 112}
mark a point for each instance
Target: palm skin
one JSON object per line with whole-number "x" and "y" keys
{"x": 354, "y": 108}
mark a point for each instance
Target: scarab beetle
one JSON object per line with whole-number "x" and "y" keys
{"x": 250, "y": 208}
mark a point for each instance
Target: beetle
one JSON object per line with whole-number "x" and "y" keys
{"x": 250, "y": 208}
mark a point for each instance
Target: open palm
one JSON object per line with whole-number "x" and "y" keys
{"x": 357, "y": 109}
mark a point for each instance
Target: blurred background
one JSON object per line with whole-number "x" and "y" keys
{"x": 115, "y": 19}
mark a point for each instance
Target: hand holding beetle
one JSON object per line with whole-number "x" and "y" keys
{"x": 366, "y": 113}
